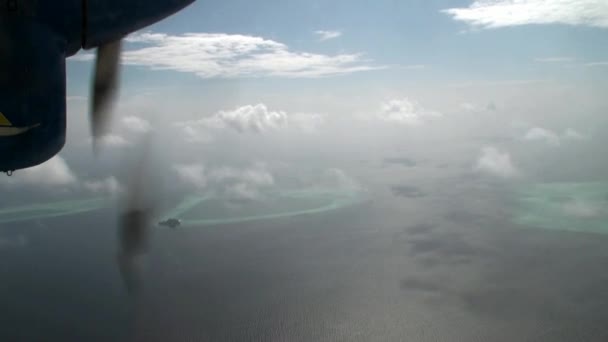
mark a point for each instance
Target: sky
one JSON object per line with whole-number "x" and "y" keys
{"x": 249, "y": 95}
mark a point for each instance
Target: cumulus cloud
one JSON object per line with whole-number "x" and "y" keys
{"x": 539, "y": 134}
{"x": 105, "y": 186}
{"x": 220, "y": 55}
{"x": 227, "y": 182}
{"x": 54, "y": 172}
{"x": 496, "y": 163}
{"x": 136, "y": 124}
{"x": 405, "y": 111}
{"x": 248, "y": 119}
{"x": 503, "y": 13}
{"x": 192, "y": 174}
{"x": 326, "y": 35}
{"x": 256, "y": 118}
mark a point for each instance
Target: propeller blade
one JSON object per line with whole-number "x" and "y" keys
{"x": 135, "y": 220}
{"x": 105, "y": 84}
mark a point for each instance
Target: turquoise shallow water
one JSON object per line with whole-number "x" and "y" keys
{"x": 579, "y": 207}
{"x": 53, "y": 209}
{"x": 203, "y": 210}
{"x": 206, "y": 210}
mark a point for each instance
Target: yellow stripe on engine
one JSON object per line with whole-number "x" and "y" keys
{"x": 4, "y": 121}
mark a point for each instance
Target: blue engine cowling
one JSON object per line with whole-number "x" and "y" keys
{"x": 35, "y": 39}
{"x": 109, "y": 20}
{"x": 32, "y": 94}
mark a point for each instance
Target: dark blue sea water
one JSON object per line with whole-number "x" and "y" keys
{"x": 384, "y": 270}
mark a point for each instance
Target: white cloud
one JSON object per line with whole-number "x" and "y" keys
{"x": 247, "y": 119}
{"x": 554, "y": 59}
{"x": 53, "y": 172}
{"x": 113, "y": 140}
{"x": 476, "y": 108}
{"x": 414, "y": 66}
{"x": 405, "y": 111}
{"x": 338, "y": 179}
{"x": 232, "y": 183}
{"x": 195, "y": 132}
{"x": 503, "y": 13}
{"x": 539, "y": 134}
{"x": 326, "y": 35}
{"x": 597, "y": 64}
{"x": 496, "y": 163}
{"x": 136, "y": 124}
{"x": 192, "y": 174}
{"x": 227, "y": 182}
{"x": 572, "y": 134}
{"x": 256, "y": 118}
{"x": 469, "y": 107}
{"x": 82, "y": 56}
{"x": 107, "y": 186}
{"x": 220, "y": 55}
{"x": 307, "y": 122}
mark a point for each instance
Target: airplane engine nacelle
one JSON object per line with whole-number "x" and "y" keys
{"x": 32, "y": 96}
{"x": 35, "y": 38}
{"x": 109, "y": 20}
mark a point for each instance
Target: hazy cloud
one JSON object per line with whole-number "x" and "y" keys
{"x": 113, "y": 140}
{"x": 334, "y": 178}
{"x": 136, "y": 124}
{"x": 54, "y": 172}
{"x": 192, "y": 174}
{"x": 406, "y": 191}
{"x": 326, "y": 35}
{"x": 572, "y": 134}
{"x": 554, "y": 59}
{"x": 106, "y": 186}
{"x": 405, "y": 111}
{"x": 543, "y": 135}
{"x": 403, "y": 161}
{"x": 582, "y": 209}
{"x": 234, "y": 183}
{"x": 495, "y": 162}
{"x": 597, "y": 64}
{"x": 502, "y": 13}
{"x": 227, "y": 182}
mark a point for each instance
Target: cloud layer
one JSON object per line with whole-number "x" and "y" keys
{"x": 220, "y": 55}
{"x": 326, "y": 35}
{"x": 496, "y": 163}
{"x": 136, "y": 124}
{"x": 405, "y": 111}
{"x": 543, "y": 135}
{"x": 503, "y": 13}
